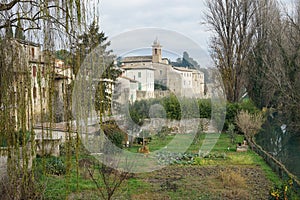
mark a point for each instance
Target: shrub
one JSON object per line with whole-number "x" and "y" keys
{"x": 114, "y": 134}
{"x": 21, "y": 138}
{"x": 72, "y": 146}
{"x": 21, "y": 186}
{"x": 249, "y": 124}
{"x": 163, "y": 132}
{"x": 232, "y": 110}
{"x": 55, "y": 166}
{"x": 231, "y": 178}
{"x": 284, "y": 191}
{"x": 205, "y": 108}
{"x": 231, "y": 133}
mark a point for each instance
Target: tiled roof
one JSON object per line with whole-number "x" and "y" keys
{"x": 133, "y": 59}
{"x": 183, "y": 69}
{"x": 129, "y": 67}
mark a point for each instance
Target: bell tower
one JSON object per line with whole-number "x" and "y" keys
{"x": 156, "y": 52}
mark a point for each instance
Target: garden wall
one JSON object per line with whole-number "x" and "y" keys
{"x": 179, "y": 126}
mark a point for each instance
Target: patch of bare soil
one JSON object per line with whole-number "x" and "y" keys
{"x": 212, "y": 182}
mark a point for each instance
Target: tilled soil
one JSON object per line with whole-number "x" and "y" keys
{"x": 211, "y": 182}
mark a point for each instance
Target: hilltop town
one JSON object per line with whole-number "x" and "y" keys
{"x": 142, "y": 77}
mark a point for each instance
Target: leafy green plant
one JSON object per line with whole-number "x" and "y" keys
{"x": 163, "y": 132}
{"x": 166, "y": 158}
{"x": 282, "y": 192}
{"x": 55, "y": 166}
{"x": 231, "y": 133}
{"x": 114, "y": 133}
{"x": 21, "y": 138}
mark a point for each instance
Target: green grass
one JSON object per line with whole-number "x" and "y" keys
{"x": 58, "y": 187}
{"x": 223, "y": 145}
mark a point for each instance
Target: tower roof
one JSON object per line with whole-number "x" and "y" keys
{"x": 156, "y": 42}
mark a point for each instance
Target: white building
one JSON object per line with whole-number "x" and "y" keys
{"x": 155, "y": 72}
{"x": 144, "y": 74}
{"x": 126, "y": 89}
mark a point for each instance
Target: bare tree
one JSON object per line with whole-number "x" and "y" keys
{"x": 232, "y": 23}
{"x": 35, "y": 14}
{"x": 273, "y": 76}
{"x": 249, "y": 124}
{"x": 110, "y": 178}
{"x": 268, "y": 32}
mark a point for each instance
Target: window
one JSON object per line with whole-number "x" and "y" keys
{"x": 140, "y": 86}
{"x": 34, "y": 92}
{"x": 155, "y": 51}
{"x": 160, "y": 72}
{"x": 43, "y": 71}
{"x": 32, "y": 52}
{"x": 34, "y": 71}
{"x": 44, "y": 92}
{"x": 139, "y": 74}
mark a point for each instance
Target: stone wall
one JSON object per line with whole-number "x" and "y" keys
{"x": 18, "y": 154}
{"x": 179, "y": 126}
{"x": 3, "y": 166}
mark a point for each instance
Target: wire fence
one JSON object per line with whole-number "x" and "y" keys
{"x": 276, "y": 166}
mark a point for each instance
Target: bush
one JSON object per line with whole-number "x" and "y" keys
{"x": 72, "y": 146}
{"x": 163, "y": 132}
{"x": 114, "y": 134}
{"x": 55, "y": 166}
{"x": 231, "y": 178}
{"x": 231, "y": 133}
{"x": 248, "y": 105}
{"x": 249, "y": 123}
{"x": 20, "y": 138}
{"x": 205, "y": 108}
{"x": 21, "y": 186}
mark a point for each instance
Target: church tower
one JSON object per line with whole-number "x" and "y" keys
{"x": 156, "y": 52}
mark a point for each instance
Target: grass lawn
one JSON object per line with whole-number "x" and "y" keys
{"x": 206, "y": 178}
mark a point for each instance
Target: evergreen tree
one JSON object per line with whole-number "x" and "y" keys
{"x": 87, "y": 42}
{"x": 8, "y": 31}
{"x": 19, "y": 31}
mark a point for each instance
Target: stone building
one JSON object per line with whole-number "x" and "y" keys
{"x": 144, "y": 74}
{"x": 30, "y": 82}
{"x": 63, "y": 77}
{"x": 167, "y": 79}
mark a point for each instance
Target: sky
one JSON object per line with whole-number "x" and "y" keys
{"x": 160, "y": 19}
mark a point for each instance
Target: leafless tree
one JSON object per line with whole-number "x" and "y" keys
{"x": 109, "y": 178}
{"x": 35, "y": 14}
{"x": 273, "y": 76}
{"x": 233, "y": 27}
{"x": 268, "y": 32}
{"x": 249, "y": 124}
